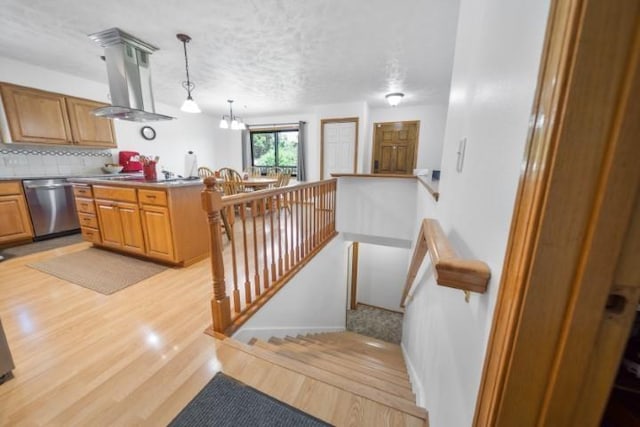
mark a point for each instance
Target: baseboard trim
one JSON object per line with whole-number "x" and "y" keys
{"x": 414, "y": 379}
{"x": 245, "y": 334}
{"x": 379, "y": 308}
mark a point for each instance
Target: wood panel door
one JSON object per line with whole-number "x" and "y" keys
{"x": 133, "y": 239}
{"x": 36, "y": 116}
{"x": 395, "y": 146}
{"x": 15, "y": 224}
{"x": 86, "y": 128}
{"x": 157, "y": 232}
{"x": 339, "y": 146}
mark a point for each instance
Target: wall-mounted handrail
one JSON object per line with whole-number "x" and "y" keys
{"x": 272, "y": 235}
{"x": 451, "y": 270}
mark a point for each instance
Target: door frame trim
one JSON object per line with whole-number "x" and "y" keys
{"x": 373, "y": 142}
{"x": 560, "y": 264}
{"x": 355, "y": 120}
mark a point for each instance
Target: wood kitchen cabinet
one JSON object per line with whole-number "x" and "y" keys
{"x": 160, "y": 223}
{"x": 157, "y": 232}
{"x": 15, "y": 223}
{"x": 118, "y": 220}
{"x": 120, "y": 225}
{"x": 37, "y": 116}
{"x": 156, "y": 224}
{"x": 87, "y": 129}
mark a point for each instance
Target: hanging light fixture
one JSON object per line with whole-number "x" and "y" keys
{"x": 394, "y": 98}
{"x": 189, "y": 105}
{"x": 231, "y": 121}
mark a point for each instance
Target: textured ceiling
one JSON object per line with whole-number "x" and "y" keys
{"x": 268, "y": 55}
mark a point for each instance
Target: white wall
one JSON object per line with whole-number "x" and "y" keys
{"x": 382, "y": 207}
{"x": 313, "y": 301}
{"x": 174, "y": 138}
{"x": 381, "y": 275}
{"x": 312, "y": 117}
{"x": 496, "y": 63}
{"x": 432, "y": 121}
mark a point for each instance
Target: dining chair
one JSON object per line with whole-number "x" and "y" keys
{"x": 273, "y": 171}
{"x": 283, "y": 178}
{"x": 254, "y": 171}
{"x": 232, "y": 181}
{"x": 204, "y": 172}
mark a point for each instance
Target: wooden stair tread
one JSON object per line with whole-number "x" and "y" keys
{"x": 358, "y": 356}
{"x": 354, "y": 336}
{"x": 351, "y": 364}
{"x": 361, "y": 341}
{"x": 363, "y": 350}
{"x": 335, "y": 380}
{"x": 339, "y": 369}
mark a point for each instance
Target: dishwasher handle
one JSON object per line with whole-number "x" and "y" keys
{"x": 47, "y": 186}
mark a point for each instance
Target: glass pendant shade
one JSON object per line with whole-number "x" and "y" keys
{"x": 190, "y": 106}
{"x": 231, "y": 121}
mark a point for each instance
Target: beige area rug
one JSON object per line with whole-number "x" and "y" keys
{"x": 99, "y": 270}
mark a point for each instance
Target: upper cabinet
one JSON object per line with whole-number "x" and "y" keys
{"x": 36, "y": 116}
{"x": 86, "y": 128}
{"x": 48, "y": 118}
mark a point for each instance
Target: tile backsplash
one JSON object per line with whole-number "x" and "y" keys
{"x": 33, "y": 160}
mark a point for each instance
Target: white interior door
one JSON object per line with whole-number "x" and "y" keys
{"x": 339, "y": 148}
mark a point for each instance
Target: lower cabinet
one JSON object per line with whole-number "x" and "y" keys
{"x": 15, "y": 223}
{"x": 157, "y": 232}
{"x": 120, "y": 225}
{"x": 162, "y": 224}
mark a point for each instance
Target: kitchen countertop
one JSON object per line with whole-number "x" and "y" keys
{"x": 86, "y": 175}
{"x": 137, "y": 181}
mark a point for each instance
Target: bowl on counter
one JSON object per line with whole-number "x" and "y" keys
{"x": 112, "y": 169}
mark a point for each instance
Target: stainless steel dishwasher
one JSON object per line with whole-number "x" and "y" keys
{"x": 52, "y": 206}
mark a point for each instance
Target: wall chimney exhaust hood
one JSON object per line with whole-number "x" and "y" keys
{"x": 129, "y": 74}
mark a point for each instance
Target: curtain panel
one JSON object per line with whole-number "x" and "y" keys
{"x": 302, "y": 149}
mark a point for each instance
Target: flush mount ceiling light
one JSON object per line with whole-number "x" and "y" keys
{"x": 189, "y": 105}
{"x": 394, "y": 98}
{"x": 231, "y": 121}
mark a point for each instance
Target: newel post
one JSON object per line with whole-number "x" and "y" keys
{"x": 220, "y": 303}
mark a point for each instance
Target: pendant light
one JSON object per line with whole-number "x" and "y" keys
{"x": 189, "y": 105}
{"x": 394, "y": 98}
{"x": 231, "y": 121}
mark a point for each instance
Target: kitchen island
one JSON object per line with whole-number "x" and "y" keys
{"x": 159, "y": 220}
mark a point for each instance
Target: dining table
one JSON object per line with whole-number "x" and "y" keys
{"x": 259, "y": 182}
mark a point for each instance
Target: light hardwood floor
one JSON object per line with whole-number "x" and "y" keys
{"x": 136, "y": 357}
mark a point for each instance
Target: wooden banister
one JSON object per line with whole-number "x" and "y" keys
{"x": 451, "y": 271}
{"x": 273, "y": 234}
{"x": 220, "y": 303}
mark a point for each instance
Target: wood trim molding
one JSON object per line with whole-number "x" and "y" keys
{"x": 354, "y": 275}
{"x": 355, "y": 120}
{"x": 560, "y": 263}
{"x": 371, "y": 175}
{"x": 451, "y": 270}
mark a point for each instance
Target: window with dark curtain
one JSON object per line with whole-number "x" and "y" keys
{"x": 275, "y": 148}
